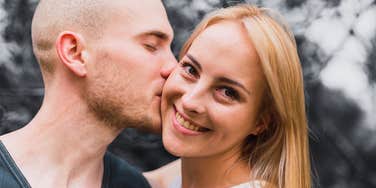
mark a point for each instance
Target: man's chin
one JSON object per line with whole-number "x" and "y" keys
{"x": 155, "y": 128}
{"x": 149, "y": 125}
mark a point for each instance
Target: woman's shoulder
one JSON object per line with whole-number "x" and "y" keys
{"x": 165, "y": 176}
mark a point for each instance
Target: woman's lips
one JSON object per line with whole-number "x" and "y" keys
{"x": 185, "y": 126}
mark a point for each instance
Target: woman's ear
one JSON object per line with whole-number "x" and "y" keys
{"x": 70, "y": 47}
{"x": 262, "y": 123}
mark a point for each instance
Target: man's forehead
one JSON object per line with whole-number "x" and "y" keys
{"x": 142, "y": 7}
{"x": 147, "y": 16}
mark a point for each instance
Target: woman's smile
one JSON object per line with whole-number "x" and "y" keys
{"x": 185, "y": 126}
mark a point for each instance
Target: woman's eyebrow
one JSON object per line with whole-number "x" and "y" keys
{"x": 230, "y": 81}
{"x": 194, "y": 61}
{"x": 220, "y": 79}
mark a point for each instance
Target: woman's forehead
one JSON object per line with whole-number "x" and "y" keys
{"x": 225, "y": 41}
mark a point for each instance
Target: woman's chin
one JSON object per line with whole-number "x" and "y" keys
{"x": 173, "y": 147}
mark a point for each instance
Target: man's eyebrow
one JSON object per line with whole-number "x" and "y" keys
{"x": 227, "y": 80}
{"x": 194, "y": 61}
{"x": 159, "y": 34}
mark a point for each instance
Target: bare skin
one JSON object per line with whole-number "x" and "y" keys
{"x": 164, "y": 176}
{"x": 66, "y": 147}
{"x": 65, "y": 143}
{"x": 210, "y": 105}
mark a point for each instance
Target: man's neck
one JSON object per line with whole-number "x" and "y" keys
{"x": 62, "y": 145}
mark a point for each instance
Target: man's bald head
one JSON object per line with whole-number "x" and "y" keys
{"x": 85, "y": 17}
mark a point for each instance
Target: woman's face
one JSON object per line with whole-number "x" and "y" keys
{"x": 211, "y": 101}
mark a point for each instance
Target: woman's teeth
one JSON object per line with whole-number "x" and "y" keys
{"x": 186, "y": 124}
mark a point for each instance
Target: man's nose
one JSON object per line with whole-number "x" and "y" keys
{"x": 168, "y": 66}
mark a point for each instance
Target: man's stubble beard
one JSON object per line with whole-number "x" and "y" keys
{"x": 112, "y": 112}
{"x": 111, "y": 99}
{"x": 116, "y": 105}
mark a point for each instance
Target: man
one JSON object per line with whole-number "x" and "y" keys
{"x": 104, "y": 64}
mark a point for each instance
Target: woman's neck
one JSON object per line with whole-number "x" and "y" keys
{"x": 223, "y": 170}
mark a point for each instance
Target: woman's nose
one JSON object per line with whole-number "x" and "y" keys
{"x": 192, "y": 102}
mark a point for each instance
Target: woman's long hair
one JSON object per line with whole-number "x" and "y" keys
{"x": 279, "y": 155}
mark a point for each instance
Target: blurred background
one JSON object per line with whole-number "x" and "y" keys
{"x": 337, "y": 47}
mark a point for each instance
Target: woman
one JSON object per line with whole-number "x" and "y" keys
{"x": 233, "y": 109}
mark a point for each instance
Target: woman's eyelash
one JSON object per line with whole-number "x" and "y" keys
{"x": 189, "y": 69}
{"x": 229, "y": 93}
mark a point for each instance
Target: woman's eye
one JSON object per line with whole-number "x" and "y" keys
{"x": 228, "y": 93}
{"x": 189, "y": 69}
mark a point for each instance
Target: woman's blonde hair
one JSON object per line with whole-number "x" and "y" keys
{"x": 280, "y": 154}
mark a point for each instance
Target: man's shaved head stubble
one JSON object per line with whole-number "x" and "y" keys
{"x": 51, "y": 17}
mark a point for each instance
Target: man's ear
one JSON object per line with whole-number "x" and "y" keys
{"x": 70, "y": 46}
